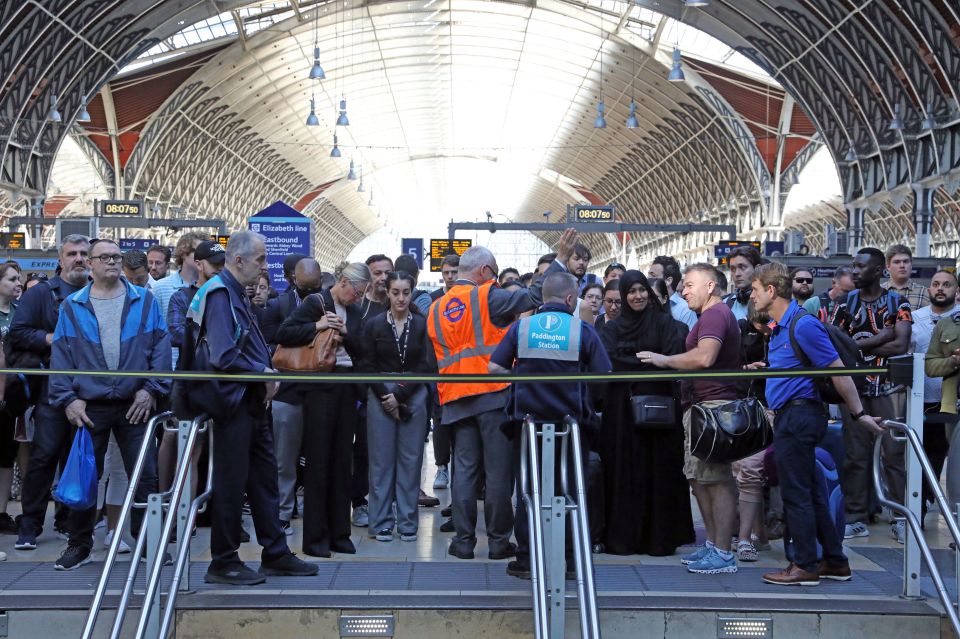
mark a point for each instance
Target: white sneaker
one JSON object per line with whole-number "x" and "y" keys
{"x": 108, "y": 539}
{"x": 3, "y": 556}
{"x": 898, "y": 530}
{"x": 443, "y": 478}
{"x": 361, "y": 516}
{"x": 856, "y": 529}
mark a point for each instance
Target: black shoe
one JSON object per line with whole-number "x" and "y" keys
{"x": 245, "y": 509}
{"x": 289, "y": 566}
{"x": 447, "y": 512}
{"x": 447, "y": 526}
{"x": 73, "y": 557}
{"x": 509, "y": 551}
{"x": 238, "y": 575}
{"x": 346, "y": 547}
{"x": 7, "y": 525}
{"x": 519, "y": 569}
{"x": 598, "y": 548}
{"x": 317, "y": 552}
{"x": 427, "y": 501}
{"x": 460, "y": 554}
{"x": 244, "y": 535}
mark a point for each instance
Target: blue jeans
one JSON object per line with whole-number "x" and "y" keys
{"x": 798, "y": 429}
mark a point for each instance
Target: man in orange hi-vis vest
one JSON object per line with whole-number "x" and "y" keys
{"x": 465, "y": 326}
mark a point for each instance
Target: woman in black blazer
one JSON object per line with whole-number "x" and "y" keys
{"x": 329, "y": 411}
{"x": 396, "y": 342}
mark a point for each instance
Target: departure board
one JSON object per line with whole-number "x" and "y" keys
{"x": 16, "y": 240}
{"x": 441, "y": 248}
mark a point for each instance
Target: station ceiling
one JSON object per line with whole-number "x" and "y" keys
{"x": 458, "y": 107}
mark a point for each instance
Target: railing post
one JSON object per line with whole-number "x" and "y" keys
{"x": 154, "y": 530}
{"x": 914, "y": 480}
{"x": 186, "y": 496}
{"x": 553, "y": 511}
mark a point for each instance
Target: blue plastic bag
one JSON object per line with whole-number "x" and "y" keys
{"x": 77, "y": 488}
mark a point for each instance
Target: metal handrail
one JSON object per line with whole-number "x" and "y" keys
{"x": 589, "y": 617}
{"x": 154, "y": 571}
{"x": 530, "y": 478}
{"x": 910, "y": 436}
{"x": 183, "y": 551}
{"x": 125, "y": 510}
{"x": 530, "y": 483}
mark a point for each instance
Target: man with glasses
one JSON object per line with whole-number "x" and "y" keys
{"x": 465, "y": 325}
{"x": 31, "y": 334}
{"x": 114, "y": 325}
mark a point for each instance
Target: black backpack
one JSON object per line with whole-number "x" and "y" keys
{"x": 846, "y": 348}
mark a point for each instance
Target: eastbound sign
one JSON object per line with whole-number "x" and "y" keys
{"x": 286, "y": 231}
{"x": 439, "y": 249}
{"x": 592, "y": 213}
{"x": 127, "y": 208}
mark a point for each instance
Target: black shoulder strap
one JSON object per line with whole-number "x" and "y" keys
{"x": 730, "y": 299}
{"x": 798, "y": 351}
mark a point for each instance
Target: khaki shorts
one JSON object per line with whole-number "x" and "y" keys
{"x": 696, "y": 469}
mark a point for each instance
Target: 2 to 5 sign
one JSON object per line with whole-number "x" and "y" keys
{"x": 121, "y": 207}
{"x": 594, "y": 214}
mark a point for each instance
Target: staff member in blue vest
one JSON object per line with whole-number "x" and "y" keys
{"x": 800, "y": 423}
{"x": 551, "y": 341}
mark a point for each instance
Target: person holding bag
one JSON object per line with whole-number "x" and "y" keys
{"x": 641, "y": 444}
{"x": 396, "y": 342}
{"x": 329, "y": 410}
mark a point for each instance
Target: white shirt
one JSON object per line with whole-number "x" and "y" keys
{"x": 924, "y": 320}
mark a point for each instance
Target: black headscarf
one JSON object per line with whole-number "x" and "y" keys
{"x": 631, "y": 324}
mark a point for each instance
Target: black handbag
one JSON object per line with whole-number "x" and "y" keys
{"x": 729, "y": 432}
{"x": 653, "y": 410}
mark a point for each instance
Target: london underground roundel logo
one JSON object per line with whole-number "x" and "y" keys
{"x": 454, "y": 309}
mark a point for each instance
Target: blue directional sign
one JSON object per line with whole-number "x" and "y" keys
{"x": 133, "y": 243}
{"x": 413, "y": 246}
{"x": 287, "y": 232}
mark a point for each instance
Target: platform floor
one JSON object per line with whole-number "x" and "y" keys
{"x": 422, "y": 575}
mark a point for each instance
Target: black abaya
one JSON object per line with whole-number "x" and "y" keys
{"x": 647, "y": 496}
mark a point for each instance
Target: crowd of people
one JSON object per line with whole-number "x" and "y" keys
{"x": 356, "y": 452}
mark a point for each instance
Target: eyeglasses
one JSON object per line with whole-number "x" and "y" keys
{"x": 108, "y": 258}
{"x": 617, "y": 265}
{"x": 803, "y": 280}
{"x": 589, "y": 297}
{"x": 613, "y": 302}
{"x": 358, "y": 292}
{"x": 40, "y": 277}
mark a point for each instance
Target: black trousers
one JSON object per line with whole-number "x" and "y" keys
{"x": 360, "y": 468}
{"x": 935, "y": 445}
{"x": 442, "y": 435}
{"x": 244, "y": 462}
{"x": 107, "y": 417}
{"x": 329, "y": 425}
{"x": 48, "y": 450}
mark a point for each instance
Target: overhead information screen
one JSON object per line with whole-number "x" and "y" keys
{"x": 16, "y": 240}
{"x": 439, "y": 249}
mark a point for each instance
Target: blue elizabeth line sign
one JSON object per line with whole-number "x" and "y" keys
{"x": 287, "y": 231}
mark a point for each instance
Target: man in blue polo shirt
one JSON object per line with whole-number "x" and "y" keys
{"x": 551, "y": 341}
{"x": 801, "y": 420}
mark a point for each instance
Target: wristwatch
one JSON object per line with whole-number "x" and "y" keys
{"x": 858, "y": 415}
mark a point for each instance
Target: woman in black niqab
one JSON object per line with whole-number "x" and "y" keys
{"x": 647, "y": 498}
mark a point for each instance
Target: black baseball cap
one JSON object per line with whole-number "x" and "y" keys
{"x": 210, "y": 251}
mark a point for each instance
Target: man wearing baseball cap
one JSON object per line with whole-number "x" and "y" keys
{"x": 208, "y": 258}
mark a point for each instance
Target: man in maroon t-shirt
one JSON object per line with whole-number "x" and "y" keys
{"x": 713, "y": 344}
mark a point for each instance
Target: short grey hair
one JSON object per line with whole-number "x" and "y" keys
{"x": 558, "y": 286}
{"x": 243, "y": 243}
{"x": 74, "y": 238}
{"x": 711, "y": 272}
{"x": 474, "y": 258}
